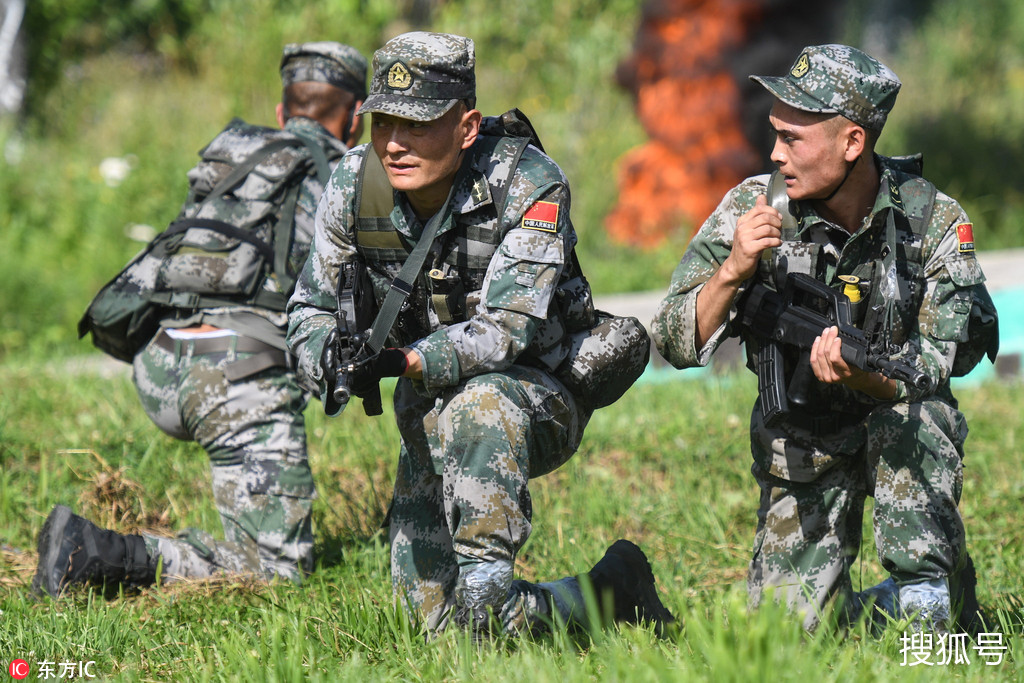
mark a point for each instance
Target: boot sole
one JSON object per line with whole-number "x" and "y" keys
{"x": 50, "y": 538}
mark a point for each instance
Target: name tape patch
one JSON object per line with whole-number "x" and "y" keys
{"x": 542, "y": 216}
{"x": 965, "y": 233}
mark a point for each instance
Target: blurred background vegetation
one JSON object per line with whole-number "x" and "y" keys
{"x": 149, "y": 82}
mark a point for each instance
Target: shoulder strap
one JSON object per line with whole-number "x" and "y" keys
{"x": 499, "y": 192}
{"x": 283, "y": 234}
{"x": 376, "y": 197}
{"x": 919, "y": 224}
{"x": 402, "y": 286}
{"x": 316, "y": 151}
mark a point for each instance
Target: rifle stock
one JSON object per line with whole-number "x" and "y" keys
{"x": 797, "y": 317}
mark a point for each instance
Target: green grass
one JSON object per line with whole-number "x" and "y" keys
{"x": 666, "y": 466}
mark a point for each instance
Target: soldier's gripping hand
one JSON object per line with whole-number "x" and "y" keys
{"x": 757, "y": 230}
{"x": 366, "y": 373}
{"x": 828, "y": 365}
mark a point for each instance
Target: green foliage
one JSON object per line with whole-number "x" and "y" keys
{"x": 62, "y": 32}
{"x": 961, "y": 105}
{"x": 667, "y": 466}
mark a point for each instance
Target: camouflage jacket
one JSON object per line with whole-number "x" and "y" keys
{"x": 253, "y": 321}
{"x": 513, "y": 268}
{"x": 941, "y": 277}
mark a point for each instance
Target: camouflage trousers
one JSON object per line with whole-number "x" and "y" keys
{"x": 461, "y": 497}
{"x": 253, "y": 431}
{"x": 908, "y": 457}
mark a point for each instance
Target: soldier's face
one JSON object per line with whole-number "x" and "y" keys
{"x": 421, "y": 158}
{"x": 811, "y": 150}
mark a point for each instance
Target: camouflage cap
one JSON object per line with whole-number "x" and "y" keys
{"x": 326, "y": 62}
{"x": 421, "y": 75}
{"x": 838, "y": 79}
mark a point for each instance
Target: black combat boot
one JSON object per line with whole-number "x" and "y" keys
{"x": 963, "y": 590}
{"x": 624, "y": 583}
{"x": 73, "y": 550}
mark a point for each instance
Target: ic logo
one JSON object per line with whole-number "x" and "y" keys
{"x": 19, "y": 669}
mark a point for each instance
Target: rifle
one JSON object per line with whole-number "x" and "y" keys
{"x": 354, "y": 318}
{"x": 797, "y": 317}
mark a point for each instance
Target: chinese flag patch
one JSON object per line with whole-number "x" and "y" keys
{"x": 965, "y": 233}
{"x": 541, "y": 216}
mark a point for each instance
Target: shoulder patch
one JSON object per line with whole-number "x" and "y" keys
{"x": 542, "y": 216}
{"x": 965, "y": 234}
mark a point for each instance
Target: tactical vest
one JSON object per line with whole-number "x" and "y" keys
{"x": 456, "y": 267}
{"x": 893, "y": 282}
{"x": 596, "y": 355}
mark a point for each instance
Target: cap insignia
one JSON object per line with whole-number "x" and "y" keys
{"x": 802, "y": 66}
{"x": 399, "y": 77}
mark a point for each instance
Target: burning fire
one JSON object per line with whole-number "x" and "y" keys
{"x": 690, "y": 106}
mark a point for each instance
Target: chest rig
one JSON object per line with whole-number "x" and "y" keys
{"x": 879, "y": 268}
{"x": 456, "y": 261}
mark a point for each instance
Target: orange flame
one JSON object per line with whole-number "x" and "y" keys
{"x": 689, "y": 104}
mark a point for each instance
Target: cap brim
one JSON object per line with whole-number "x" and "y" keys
{"x": 782, "y": 87}
{"x": 405, "y": 107}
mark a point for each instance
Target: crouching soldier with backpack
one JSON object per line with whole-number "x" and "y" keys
{"x": 200, "y": 314}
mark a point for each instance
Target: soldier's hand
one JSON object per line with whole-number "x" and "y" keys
{"x": 827, "y": 358}
{"x": 365, "y": 374}
{"x": 757, "y": 230}
{"x": 829, "y": 366}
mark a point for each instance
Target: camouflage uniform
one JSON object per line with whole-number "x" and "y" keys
{"x": 816, "y": 468}
{"x": 235, "y": 393}
{"x": 489, "y": 413}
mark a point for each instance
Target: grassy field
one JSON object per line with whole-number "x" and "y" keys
{"x": 666, "y": 466}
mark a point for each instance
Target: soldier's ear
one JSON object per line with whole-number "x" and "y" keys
{"x": 470, "y": 127}
{"x": 355, "y": 128}
{"x": 856, "y": 139}
{"x": 279, "y": 110}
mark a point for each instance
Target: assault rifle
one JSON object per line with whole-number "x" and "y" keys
{"x": 796, "y": 317}
{"x": 354, "y": 318}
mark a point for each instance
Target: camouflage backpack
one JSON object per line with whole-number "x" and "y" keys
{"x": 606, "y": 353}
{"x": 230, "y": 244}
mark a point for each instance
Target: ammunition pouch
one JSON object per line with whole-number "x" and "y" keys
{"x": 447, "y": 296}
{"x": 605, "y": 360}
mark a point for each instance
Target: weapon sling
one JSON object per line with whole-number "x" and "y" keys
{"x": 402, "y": 286}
